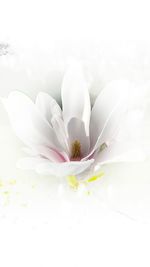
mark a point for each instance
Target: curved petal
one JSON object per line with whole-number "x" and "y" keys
{"x": 76, "y": 132}
{"x": 60, "y": 131}
{"x": 48, "y": 106}
{"x": 107, "y": 113}
{"x": 46, "y": 152}
{"x": 29, "y": 125}
{"x": 51, "y": 154}
{"x": 75, "y": 96}
{"x": 120, "y": 152}
{"x": 63, "y": 169}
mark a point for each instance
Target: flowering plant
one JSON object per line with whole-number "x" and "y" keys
{"x": 78, "y": 139}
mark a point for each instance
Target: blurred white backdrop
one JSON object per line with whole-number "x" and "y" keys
{"x": 43, "y": 222}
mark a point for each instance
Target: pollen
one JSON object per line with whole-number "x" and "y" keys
{"x": 76, "y": 150}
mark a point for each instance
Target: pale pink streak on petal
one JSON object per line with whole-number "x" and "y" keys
{"x": 51, "y": 154}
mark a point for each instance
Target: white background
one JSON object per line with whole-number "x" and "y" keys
{"x": 43, "y": 223}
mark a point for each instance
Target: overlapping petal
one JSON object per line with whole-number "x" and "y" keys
{"x": 48, "y": 106}
{"x": 49, "y": 133}
{"x": 64, "y": 169}
{"x": 44, "y": 166}
{"x": 120, "y": 152}
{"x": 60, "y": 131}
{"x": 107, "y": 113}
{"x": 75, "y": 96}
{"x": 28, "y": 123}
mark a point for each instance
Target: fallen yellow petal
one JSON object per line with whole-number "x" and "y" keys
{"x": 72, "y": 181}
{"x": 95, "y": 177}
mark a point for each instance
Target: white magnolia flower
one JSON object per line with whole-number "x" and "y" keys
{"x": 77, "y": 139}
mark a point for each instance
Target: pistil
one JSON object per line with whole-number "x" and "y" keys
{"x": 76, "y": 150}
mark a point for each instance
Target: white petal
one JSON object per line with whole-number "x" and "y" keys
{"x": 51, "y": 154}
{"x": 60, "y": 131}
{"x": 107, "y": 112}
{"x": 75, "y": 96}
{"x": 76, "y": 131}
{"x": 63, "y": 169}
{"x": 48, "y": 106}
{"x": 29, "y": 125}
{"x": 121, "y": 152}
{"x": 46, "y": 152}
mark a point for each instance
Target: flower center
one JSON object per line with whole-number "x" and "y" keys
{"x": 76, "y": 150}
